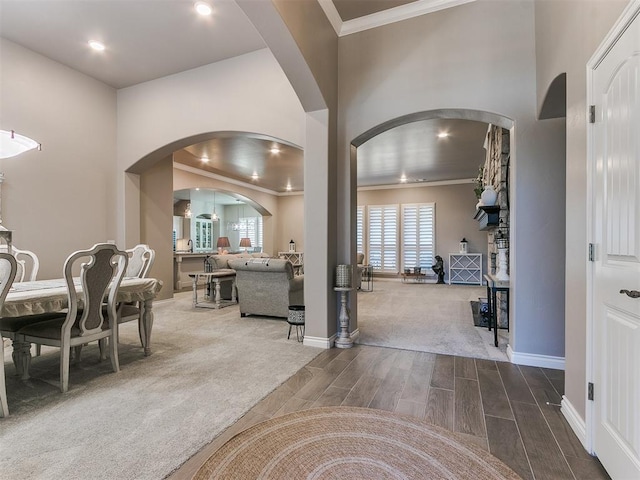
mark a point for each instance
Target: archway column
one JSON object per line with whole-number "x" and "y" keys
{"x": 319, "y": 255}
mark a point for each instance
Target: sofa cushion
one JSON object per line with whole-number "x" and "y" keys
{"x": 221, "y": 262}
{"x": 263, "y": 265}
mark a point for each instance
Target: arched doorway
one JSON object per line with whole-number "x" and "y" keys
{"x": 504, "y": 128}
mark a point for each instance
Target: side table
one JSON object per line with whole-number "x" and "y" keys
{"x": 493, "y": 287}
{"x": 366, "y": 276}
{"x": 215, "y": 278}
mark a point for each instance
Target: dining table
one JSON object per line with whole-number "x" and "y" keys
{"x": 50, "y": 296}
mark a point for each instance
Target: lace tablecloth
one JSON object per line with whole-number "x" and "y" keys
{"x": 46, "y": 296}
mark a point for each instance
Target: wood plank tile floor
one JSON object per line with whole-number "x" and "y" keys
{"x": 511, "y": 411}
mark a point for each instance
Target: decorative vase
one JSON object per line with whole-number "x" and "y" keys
{"x": 489, "y": 196}
{"x": 343, "y": 276}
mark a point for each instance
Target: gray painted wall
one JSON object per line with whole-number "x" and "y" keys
{"x": 455, "y": 208}
{"x": 290, "y": 223}
{"x": 156, "y": 200}
{"x": 567, "y": 34}
{"x": 478, "y": 56}
{"x": 60, "y": 199}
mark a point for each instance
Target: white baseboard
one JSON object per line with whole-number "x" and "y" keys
{"x": 535, "y": 360}
{"x": 576, "y": 422}
{"x": 355, "y": 334}
{"x": 320, "y": 342}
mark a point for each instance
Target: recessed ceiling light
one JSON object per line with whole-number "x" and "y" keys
{"x": 204, "y": 158}
{"x": 288, "y": 187}
{"x": 197, "y": 189}
{"x": 274, "y": 150}
{"x": 443, "y": 135}
{"x": 403, "y": 178}
{"x": 203, "y": 8}
{"x": 255, "y": 176}
{"x": 96, "y": 45}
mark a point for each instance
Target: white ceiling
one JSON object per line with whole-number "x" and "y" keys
{"x": 146, "y": 40}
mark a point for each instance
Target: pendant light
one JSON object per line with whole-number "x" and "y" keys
{"x": 214, "y": 215}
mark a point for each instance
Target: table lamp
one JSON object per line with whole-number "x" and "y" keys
{"x": 223, "y": 242}
{"x": 245, "y": 242}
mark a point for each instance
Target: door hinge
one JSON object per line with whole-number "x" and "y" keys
{"x": 590, "y": 391}
{"x": 592, "y": 252}
{"x": 592, "y": 114}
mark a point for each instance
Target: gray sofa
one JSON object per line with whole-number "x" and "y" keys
{"x": 221, "y": 263}
{"x": 267, "y": 286}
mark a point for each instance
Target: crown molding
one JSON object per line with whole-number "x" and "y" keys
{"x": 441, "y": 183}
{"x": 233, "y": 181}
{"x": 391, "y": 15}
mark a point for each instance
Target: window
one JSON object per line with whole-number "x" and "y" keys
{"x": 251, "y": 227}
{"x": 383, "y": 238}
{"x": 418, "y": 235}
{"x": 360, "y": 229}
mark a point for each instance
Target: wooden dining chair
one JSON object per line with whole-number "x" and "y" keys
{"x": 28, "y": 266}
{"x": 8, "y": 269}
{"x": 141, "y": 258}
{"x": 27, "y": 263}
{"x": 100, "y": 277}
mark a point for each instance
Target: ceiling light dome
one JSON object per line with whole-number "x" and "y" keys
{"x": 203, "y": 8}
{"x": 96, "y": 45}
{"x": 12, "y": 144}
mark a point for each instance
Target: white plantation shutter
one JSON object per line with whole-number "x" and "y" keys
{"x": 251, "y": 227}
{"x": 383, "y": 238}
{"x": 360, "y": 229}
{"x": 418, "y": 233}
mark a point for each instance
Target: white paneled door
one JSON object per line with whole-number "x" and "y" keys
{"x": 616, "y": 309}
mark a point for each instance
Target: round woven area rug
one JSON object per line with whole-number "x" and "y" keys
{"x": 350, "y": 443}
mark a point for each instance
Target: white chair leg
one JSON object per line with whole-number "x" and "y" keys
{"x": 65, "y": 353}
{"x": 77, "y": 350}
{"x": 4, "y": 406}
{"x": 102, "y": 345}
{"x": 113, "y": 351}
{"x": 140, "y": 323}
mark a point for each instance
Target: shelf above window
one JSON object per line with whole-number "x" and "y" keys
{"x": 488, "y": 216}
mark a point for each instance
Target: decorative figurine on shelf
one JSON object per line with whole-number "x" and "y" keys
{"x": 438, "y": 269}
{"x": 464, "y": 246}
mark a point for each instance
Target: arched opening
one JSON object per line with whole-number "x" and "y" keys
{"x": 256, "y": 189}
{"x": 554, "y": 104}
{"x": 447, "y": 202}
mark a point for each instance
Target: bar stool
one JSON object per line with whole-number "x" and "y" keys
{"x": 296, "y": 317}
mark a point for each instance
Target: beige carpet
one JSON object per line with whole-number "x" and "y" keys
{"x": 426, "y": 318}
{"x": 350, "y": 443}
{"x": 208, "y": 368}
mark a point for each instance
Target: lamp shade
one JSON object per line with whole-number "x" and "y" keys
{"x": 223, "y": 242}
{"x": 245, "y": 242}
{"x": 12, "y": 144}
